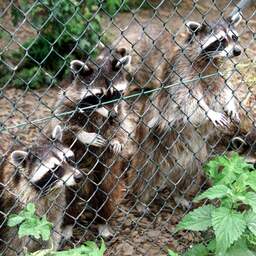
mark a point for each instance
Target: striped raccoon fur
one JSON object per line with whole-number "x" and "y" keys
{"x": 38, "y": 175}
{"x": 94, "y": 83}
{"x": 177, "y": 120}
{"x": 89, "y": 131}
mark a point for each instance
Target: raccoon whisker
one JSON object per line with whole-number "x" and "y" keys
{"x": 204, "y": 55}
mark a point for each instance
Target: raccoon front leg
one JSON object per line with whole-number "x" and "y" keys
{"x": 87, "y": 138}
{"x": 230, "y": 103}
{"x": 91, "y": 138}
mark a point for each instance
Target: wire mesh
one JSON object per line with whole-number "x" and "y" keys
{"x": 156, "y": 89}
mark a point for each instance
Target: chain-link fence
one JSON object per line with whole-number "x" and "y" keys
{"x": 109, "y": 111}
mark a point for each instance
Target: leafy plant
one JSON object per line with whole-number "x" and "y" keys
{"x": 66, "y": 29}
{"x": 30, "y": 225}
{"x": 233, "y": 217}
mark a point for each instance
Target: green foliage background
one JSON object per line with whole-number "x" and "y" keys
{"x": 66, "y": 29}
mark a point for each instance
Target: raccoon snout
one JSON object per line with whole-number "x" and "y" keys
{"x": 78, "y": 176}
{"x": 237, "y": 51}
{"x": 113, "y": 115}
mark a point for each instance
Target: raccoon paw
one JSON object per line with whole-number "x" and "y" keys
{"x": 232, "y": 111}
{"x": 99, "y": 141}
{"x": 116, "y": 146}
{"x": 218, "y": 119}
{"x": 67, "y": 232}
{"x": 184, "y": 203}
{"x": 143, "y": 209}
{"x": 105, "y": 231}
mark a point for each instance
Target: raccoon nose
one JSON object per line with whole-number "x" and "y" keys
{"x": 237, "y": 51}
{"x": 113, "y": 114}
{"x": 78, "y": 176}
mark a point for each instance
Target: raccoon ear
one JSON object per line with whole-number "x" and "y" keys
{"x": 79, "y": 67}
{"x": 122, "y": 51}
{"x": 18, "y": 157}
{"x": 57, "y": 133}
{"x": 235, "y": 19}
{"x": 237, "y": 143}
{"x": 124, "y": 61}
{"x": 193, "y": 26}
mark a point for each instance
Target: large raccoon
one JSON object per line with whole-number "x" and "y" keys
{"x": 40, "y": 176}
{"x": 178, "y": 119}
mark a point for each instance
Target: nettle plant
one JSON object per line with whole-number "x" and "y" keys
{"x": 231, "y": 217}
{"x": 31, "y": 225}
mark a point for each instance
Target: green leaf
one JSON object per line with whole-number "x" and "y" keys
{"x": 250, "y": 199}
{"x": 27, "y": 228}
{"x": 250, "y": 218}
{"x": 197, "y": 250}
{"x": 228, "y": 226}
{"x": 14, "y": 220}
{"x": 218, "y": 191}
{"x": 172, "y": 253}
{"x": 240, "y": 185}
{"x": 251, "y": 182}
{"x": 238, "y": 249}
{"x": 197, "y": 220}
{"x": 224, "y": 170}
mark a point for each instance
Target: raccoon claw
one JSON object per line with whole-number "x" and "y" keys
{"x": 99, "y": 141}
{"x": 184, "y": 203}
{"x": 116, "y": 146}
{"x": 105, "y": 231}
{"x": 218, "y": 119}
{"x": 232, "y": 112}
{"x": 142, "y": 209}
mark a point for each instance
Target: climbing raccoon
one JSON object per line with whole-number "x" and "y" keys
{"x": 177, "y": 121}
{"x": 38, "y": 175}
{"x": 90, "y": 128}
{"x": 93, "y": 84}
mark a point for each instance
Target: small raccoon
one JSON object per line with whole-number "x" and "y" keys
{"x": 178, "y": 119}
{"x": 40, "y": 176}
{"x": 88, "y": 131}
{"x": 151, "y": 48}
{"x": 94, "y": 83}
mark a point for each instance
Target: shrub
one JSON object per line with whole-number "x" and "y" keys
{"x": 232, "y": 218}
{"x": 65, "y": 29}
{"x": 31, "y": 225}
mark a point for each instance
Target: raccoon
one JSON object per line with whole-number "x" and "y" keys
{"x": 245, "y": 145}
{"x": 178, "y": 119}
{"x": 151, "y": 48}
{"x": 88, "y": 130}
{"x": 40, "y": 176}
{"x": 94, "y": 83}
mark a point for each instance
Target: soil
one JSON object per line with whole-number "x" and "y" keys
{"x": 135, "y": 235}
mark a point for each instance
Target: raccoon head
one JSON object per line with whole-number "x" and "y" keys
{"x": 215, "y": 41}
{"x": 246, "y": 147}
{"x": 104, "y": 76}
{"x": 47, "y": 166}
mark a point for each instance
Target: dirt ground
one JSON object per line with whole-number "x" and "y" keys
{"x": 135, "y": 235}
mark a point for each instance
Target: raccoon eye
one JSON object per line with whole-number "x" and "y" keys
{"x": 71, "y": 160}
{"x": 235, "y": 38}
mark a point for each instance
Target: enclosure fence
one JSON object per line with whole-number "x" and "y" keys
{"x": 110, "y": 110}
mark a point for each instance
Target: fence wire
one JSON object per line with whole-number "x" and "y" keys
{"x": 109, "y": 111}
